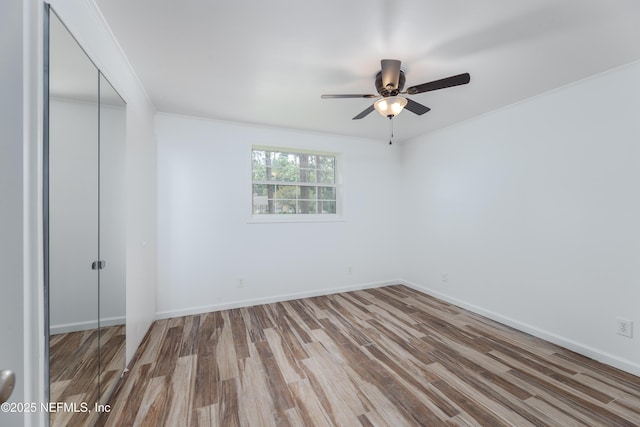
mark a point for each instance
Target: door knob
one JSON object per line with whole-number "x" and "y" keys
{"x": 7, "y": 382}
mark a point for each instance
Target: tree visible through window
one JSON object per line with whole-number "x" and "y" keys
{"x": 289, "y": 182}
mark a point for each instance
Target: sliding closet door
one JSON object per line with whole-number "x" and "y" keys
{"x": 85, "y": 235}
{"x": 72, "y": 247}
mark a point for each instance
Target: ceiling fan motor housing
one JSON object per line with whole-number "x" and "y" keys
{"x": 389, "y": 90}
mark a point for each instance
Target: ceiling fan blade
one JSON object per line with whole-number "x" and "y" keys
{"x": 416, "y": 107}
{"x": 348, "y": 96}
{"x": 364, "y": 113}
{"x": 390, "y": 73}
{"x": 460, "y": 79}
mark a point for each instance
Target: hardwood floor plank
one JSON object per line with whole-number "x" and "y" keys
{"x": 264, "y": 315}
{"x": 291, "y": 371}
{"x": 370, "y": 370}
{"x": 62, "y": 352}
{"x": 281, "y": 396}
{"x": 472, "y": 407}
{"x": 564, "y": 412}
{"x": 181, "y": 385}
{"x": 358, "y": 335}
{"x": 253, "y": 325}
{"x": 580, "y": 403}
{"x": 210, "y": 325}
{"x": 256, "y": 402}
{"x": 229, "y": 410}
{"x": 304, "y": 314}
{"x": 310, "y": 408}
{"x": 84, "y": 372}
{"x": 150, "y": 346}
{"x": 292, "y": 342}
{"x": 169, "y": 352}
{"x": 154, "y": 403}
{"x": 226, "y": 352}
{"x": 417, "y": 382}
{"x": 332, "y": 389}
{"x": 206, "y": 382}
{"x": 239, "y": 333}
{"x": 127, "y": 396}
{"x": 189, "y": 344}
{"x": 296, "y": 323}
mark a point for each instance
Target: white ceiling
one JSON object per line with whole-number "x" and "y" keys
{"x": 268, "y": 62}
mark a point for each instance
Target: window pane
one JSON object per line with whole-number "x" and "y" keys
{"x": 285, "y": 206}
{"x": 307, "y": 192}
{"x": 304, "y": 192}
{"x": 307, "y": 175}
{"x": 327, "y": 193}
{"x": 328, "y": 207}
{"x": 286, "y": 192}
{"x": 327, "y": 169}
{"x": 261, "y": 208}
{"x": 259, "y": 190}
{"x": 258, "y": 167}
{"x": 312, "y": 161}
{"x": 326, "y": 177}
{"x": 261, "y": 198}
{"x": 285, "y": 171}
{"x": 307, "y": 206}
{"x": 259, "y": 173}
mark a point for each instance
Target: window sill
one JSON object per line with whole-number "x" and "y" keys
{"x": 281, "y": 219}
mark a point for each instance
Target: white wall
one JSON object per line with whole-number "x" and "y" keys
{"x": 533, "y": 212}
{"x": 83, "y": 19}
{"x": 206, "y": 244}
{"x": 21, "y": 305}
{"x": 12, "y": 191}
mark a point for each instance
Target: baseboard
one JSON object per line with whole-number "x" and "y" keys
{"x": 271, "y": 299}
{"x": 585, "y": 350}
{"x": 84, "y": 326}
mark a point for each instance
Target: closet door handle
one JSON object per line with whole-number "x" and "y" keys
{"x": 7, "y": 383}
{"x": 98, "y": 265}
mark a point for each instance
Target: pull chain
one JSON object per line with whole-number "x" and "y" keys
{"x": 391, "y": 126}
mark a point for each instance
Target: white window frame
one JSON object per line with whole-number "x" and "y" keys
{"x": 280, "y": 218}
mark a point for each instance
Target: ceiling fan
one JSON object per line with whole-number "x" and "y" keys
{"x": 390, "y": 83}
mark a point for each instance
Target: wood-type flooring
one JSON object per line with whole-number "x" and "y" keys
{"x": 74, "y": 372}
{"x": 389, "y": 356}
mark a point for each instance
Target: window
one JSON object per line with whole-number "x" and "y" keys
{"x": 292, "y": 182}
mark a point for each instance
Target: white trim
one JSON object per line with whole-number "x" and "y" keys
{"x": 285, "y": 218}
{"x": 272, "y": 299}
{"x": 293, "y": 150}
{"x": 95, "y": 9}
{"x": 585, "y": 350}
{"x": 84, "y": 326}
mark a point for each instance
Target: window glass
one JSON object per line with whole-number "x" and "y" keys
{"x": 285, "y": 182}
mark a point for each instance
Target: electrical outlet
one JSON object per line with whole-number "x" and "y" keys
{"x": 349, "y": 270}
{"x": 445, "y": 277}
{"x": 625, "y": 327}
{"x": 241, "y": 283}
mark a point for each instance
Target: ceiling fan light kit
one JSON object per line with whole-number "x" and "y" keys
{"x": 390, "y": 106}
{"x": 389, "y": 83}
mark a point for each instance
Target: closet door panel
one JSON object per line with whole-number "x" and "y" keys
{"x": 71, "y": 188}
